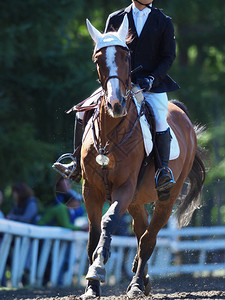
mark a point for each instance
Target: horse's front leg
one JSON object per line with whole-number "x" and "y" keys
{"x": 109, "y": 225}
{"x": 94, "y": 204}
{"x": 102, "y": 252}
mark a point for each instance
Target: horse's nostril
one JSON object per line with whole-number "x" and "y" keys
{"x": 109, "y": 105}
{"x": 117, "y": 108}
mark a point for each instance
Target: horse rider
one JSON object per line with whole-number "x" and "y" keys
{"x": 152, "y": 44}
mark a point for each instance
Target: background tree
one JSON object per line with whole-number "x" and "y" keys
{"x": 46, "y": 67}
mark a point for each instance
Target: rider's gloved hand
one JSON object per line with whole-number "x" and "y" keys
{"x": 145, "y": 83}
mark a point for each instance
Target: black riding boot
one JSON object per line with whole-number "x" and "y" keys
{"x": 164, "y": 176}
{"x": 73, "y": 169}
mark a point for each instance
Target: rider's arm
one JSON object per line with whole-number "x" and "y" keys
{"x": 167, "y": 52}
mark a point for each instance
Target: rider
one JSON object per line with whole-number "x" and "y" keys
{"x": 152, "y": 45}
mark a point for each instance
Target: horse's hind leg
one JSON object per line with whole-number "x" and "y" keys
{"x": 140, "y": 225}
{"x": 147, "y": 244}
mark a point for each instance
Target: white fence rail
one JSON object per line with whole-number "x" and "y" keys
{"x": 36, "y": 249}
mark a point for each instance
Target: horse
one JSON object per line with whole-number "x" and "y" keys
{"x": 112, "y": 154}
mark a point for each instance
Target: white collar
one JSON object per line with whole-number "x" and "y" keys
{"x": 145, "y": 11}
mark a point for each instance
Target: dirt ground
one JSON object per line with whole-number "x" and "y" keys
{"x": 180, "y": 287}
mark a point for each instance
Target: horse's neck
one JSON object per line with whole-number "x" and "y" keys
{"x": 107, "y": 124}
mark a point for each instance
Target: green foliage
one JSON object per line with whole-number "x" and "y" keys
{"x": 46, "y": 67}
{"x": 213, "y": 140}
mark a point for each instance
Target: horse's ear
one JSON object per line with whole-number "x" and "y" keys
{"x": 95, "y": 34}
{"x": 123, "y": 30}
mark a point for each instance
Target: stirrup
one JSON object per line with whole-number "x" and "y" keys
{"x": 62, "y": 157}
{"x": 169, "y": 171}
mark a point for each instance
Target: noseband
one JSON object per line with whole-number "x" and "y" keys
{"x": 127, "y": 90}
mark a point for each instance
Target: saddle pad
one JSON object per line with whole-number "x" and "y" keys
{"x": 147, "y": 136}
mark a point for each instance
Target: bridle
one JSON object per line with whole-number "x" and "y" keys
{"x": 101, "y": 150}
{"x": 124, "y": 83}
{"x": 102, "y": 158}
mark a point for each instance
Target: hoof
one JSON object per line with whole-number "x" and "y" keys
{"x": 92, "y": 291}
{"x": 139, "y": 288}
{"x": 134, "y": 292}
{"x": 87, "y": 296}
{"x": 147, "y": 284}
{"x": 96, "y": 273}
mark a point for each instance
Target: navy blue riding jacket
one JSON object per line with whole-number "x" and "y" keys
{"x": 154, "y": 49}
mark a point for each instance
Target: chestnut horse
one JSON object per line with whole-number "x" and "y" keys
{"x": 111, "y": 157}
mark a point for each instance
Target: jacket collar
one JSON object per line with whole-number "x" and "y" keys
{"x": 128, "y": 10}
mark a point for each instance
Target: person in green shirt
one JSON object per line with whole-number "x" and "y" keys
{"x": 58, "y": 215}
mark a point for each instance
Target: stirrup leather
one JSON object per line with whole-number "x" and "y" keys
{"x": 62, "y": 157}
{"x": 169, "y": 171}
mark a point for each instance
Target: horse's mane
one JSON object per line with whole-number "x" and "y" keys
{"x": 130, "y": 37}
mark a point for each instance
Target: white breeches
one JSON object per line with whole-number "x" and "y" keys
{"x": 159, "y": 104}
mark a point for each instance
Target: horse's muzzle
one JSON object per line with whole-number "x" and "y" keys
{"x": 118, "y": 109}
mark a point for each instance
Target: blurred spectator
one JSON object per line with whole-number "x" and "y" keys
{"x": 25, "y": 209}
{"x": 1, "y": 200}
{"x": 71, "y": 191}
{"x": 66, "y": 209}
{"x": 65, "y": 194}
{"x": 58, "y": 215}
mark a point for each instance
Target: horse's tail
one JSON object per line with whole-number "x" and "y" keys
{"x": 190, "y": 198}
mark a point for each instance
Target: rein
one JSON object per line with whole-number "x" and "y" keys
{"x": 102, "y": 150}
{"x": 102, "y": 158}
{"x": 117, "y": 77}
{"x": 81, "y": 108}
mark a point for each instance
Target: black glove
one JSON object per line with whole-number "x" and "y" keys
{"x": 145, "y": 83}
